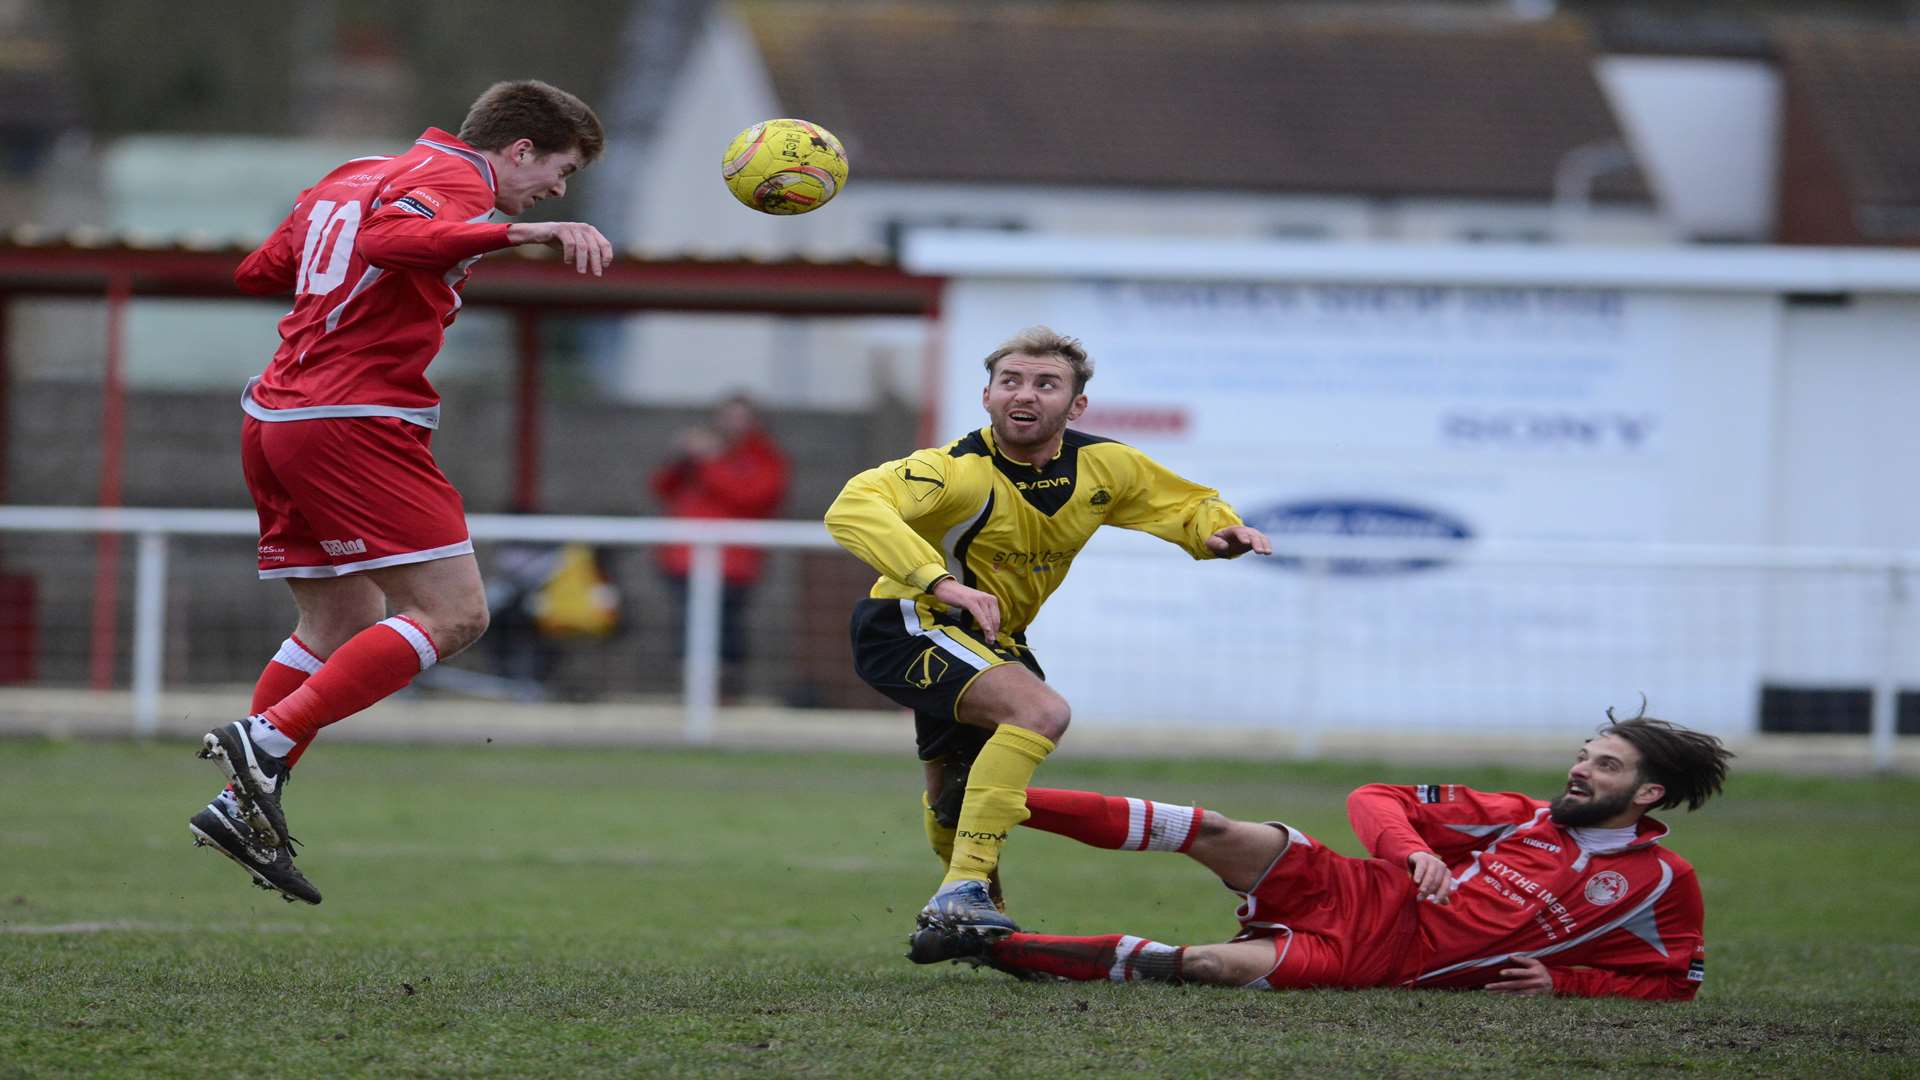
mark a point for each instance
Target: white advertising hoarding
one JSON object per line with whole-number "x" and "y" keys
{"x": 1565, "y": 413}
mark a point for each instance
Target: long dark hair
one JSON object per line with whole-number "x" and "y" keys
{"x": 1691, "y": 765}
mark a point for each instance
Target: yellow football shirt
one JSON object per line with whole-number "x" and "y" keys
{"x": 1009, "y": 528}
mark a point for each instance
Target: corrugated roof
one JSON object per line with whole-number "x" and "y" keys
{"x": 1861, "y": 88}
{"x": 86, "y": 262}
{"x": 1240, "y": 97}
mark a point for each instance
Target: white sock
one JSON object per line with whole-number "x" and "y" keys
{"x": 1158, "y": 826}
{"x": 227, "y": 802}
{"x": 267, "y": 737}
{"x": 1138, "y": 958}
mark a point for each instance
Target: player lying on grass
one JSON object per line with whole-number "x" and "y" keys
{"x": 1465, "y": 889}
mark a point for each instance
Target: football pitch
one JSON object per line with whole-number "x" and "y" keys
{"x": 504, "y": 911}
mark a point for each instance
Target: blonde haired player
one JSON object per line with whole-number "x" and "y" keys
{"x": 970, "y": 539}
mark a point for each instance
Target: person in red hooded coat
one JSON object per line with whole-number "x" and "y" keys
{"x": 732, "y": 468}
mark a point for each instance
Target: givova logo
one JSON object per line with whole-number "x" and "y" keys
{"x": 1360, "y": 518}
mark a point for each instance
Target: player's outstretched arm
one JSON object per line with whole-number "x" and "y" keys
{"x": 1528, "y": 976}
{"x": 579, "y": 243}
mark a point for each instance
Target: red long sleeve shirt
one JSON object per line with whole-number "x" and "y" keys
{"x": 375, "y": 255}
{"x": 1625, "y": 922}
{"x": 748, "y": 479}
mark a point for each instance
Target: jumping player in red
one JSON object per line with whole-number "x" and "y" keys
{"x": 1465, "y": 889}
{"x": 355, "y": 516}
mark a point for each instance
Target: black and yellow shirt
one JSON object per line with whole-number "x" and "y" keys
{"x": 1009, "y": 528}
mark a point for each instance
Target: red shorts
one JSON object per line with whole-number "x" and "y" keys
{"x": 337, "y": 496}
{"x": 1333, "y": 920}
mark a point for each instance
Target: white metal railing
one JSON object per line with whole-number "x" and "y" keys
{"x": 705, "y": 540}
{"x": 1319, "y": 556}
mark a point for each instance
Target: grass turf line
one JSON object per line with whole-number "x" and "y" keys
{"x": 497, "y": 911}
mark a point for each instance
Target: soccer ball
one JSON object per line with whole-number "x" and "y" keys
{"x": 784, "y": 166}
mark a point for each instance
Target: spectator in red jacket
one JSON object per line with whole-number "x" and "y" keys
{"x": 730, "y": 469}
{"x": 1465, "y": 889}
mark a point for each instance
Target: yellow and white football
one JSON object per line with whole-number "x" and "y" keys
{"x": 784, "y": 167}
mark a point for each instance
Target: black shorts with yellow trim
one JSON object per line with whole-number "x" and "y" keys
{"x": 925, "y": 659}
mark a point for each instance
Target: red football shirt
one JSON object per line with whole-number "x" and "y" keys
{"x": 1625, "y": 922}
{"x": 376, "y": 255}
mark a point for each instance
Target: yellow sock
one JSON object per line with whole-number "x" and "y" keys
{"x": 996, "y": 800}
{"x": 938, "y": 835}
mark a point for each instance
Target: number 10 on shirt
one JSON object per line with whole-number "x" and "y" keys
{"x": 323, "y": 219}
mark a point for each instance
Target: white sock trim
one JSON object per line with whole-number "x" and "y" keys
{"x": 1171, "y": 824}
{"x": 1122, "y": 969}
{"x": 1137, "y": 811}
{"x": 1130, "y": 951}
{"x": 1157, "y": 826}
{"x": 267, "y": 737}
{"x": 416, "y": 637}
{"x": 296, "y": 656}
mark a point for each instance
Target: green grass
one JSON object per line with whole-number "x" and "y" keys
{"x": 496, "y": 911}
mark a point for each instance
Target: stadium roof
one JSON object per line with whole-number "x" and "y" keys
{"x": 89, "y": 262}
{"x": 1248, "y": 97}
{"x": 1855, "y": 96}
{"x": 120, "y": 267}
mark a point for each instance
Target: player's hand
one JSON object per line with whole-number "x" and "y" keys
{"x": 983, "y": 606}
{"x": 1525, "y": 976}
{"x": 1431, "y": 878}
{"x": 1237, "y": 540}
{"x": 580, "y": 243}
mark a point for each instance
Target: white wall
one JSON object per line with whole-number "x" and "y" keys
{"x": 1706, "y": 134}
{"x": 1438, "y": 381}
{"x": 1848, "y": 424}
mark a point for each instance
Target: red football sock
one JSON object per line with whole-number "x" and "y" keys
{"x": 284, "y": 674}
{"x": 1111, "y": 821}
{"x": 372, "y": 664}
{"x": 1120, "y": 957}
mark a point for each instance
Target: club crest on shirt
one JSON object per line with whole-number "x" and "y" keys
{"x": 1605, "y": 887}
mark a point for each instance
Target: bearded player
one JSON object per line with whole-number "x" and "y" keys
{"x": 970, "y": 539}
{"x": 1465, "y": 889}
{"x": 355, "y": 516}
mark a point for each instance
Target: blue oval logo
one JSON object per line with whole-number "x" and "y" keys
{"x": 1371, "y": 519}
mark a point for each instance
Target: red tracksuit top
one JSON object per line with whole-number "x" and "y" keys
{"x": 375, "y": 255}
{"x": 1625, "y": 922}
